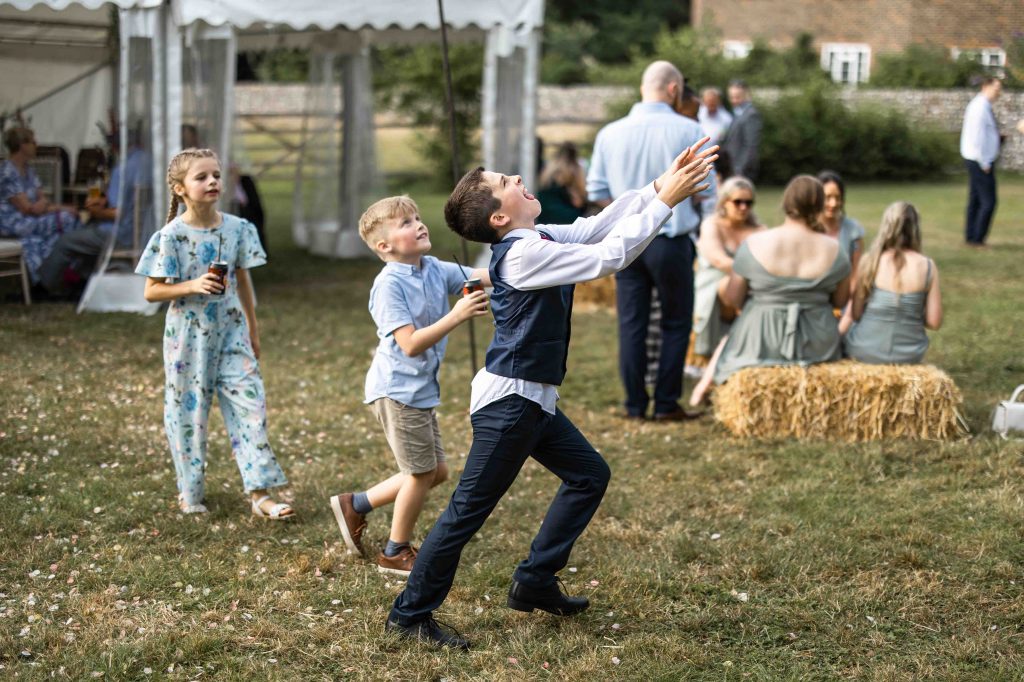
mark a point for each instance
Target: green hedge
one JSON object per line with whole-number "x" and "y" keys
{"x": 813, "y": 129}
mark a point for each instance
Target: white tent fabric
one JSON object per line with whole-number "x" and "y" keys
{"x": 49, "y": 48}
{"x": 56, "y": 66}
{"x": 325, "y": 221}
{"x": 301, "y": 15}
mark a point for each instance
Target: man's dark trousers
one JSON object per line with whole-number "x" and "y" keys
{"x": 981, "y": 201}
{"x": 505, "y": 433}
{"x": 666, "y": 265}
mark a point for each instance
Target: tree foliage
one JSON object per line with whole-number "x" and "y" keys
{"x": 411, "y": 80}
{"x": 812, "y": 128}
{"x": 608, "y": 31}
{"x": 698, "y": 55}
{"x": 923, "y": 66}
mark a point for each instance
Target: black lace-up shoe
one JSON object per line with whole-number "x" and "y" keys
{"x": 551, "y": 599}
{"x": 429, "y": 631}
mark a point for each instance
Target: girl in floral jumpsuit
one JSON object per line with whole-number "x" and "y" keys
{"x": 211, "y": 340}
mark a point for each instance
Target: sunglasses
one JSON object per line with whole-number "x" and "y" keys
{"x": 742, "y": 202}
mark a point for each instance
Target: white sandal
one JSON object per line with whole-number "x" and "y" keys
{"x": 276, "y": 512}
{"x": 199, "y": 508}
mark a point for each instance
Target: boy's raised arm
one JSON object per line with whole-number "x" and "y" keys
{"x": 592, "y": 230}
{"x": 538, "y": 263}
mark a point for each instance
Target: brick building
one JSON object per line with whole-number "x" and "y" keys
{"x": 850, "y": 34}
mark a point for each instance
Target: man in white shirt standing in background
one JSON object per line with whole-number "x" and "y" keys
{"x": 713, "y": 117}
{"x": 979, "y": 145}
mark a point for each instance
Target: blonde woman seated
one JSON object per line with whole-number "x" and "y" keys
{"x": 787, "y": 280}
{"x": 720, "y": 237}
{"x": 897, "y": 295}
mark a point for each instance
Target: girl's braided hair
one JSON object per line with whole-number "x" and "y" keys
{"x": 177, "y": 169}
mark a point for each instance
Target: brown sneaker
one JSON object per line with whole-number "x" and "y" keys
{"x": 400, "y": 564}
{"x": 351, "y": 522}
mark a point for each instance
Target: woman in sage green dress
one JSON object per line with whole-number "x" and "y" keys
{"x": 720, "y": 235}
{"x": 897, "y": 295}
{"x": 842, "y": 227}
{"x": 787, "y": 281}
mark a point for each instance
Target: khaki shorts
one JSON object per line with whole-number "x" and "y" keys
{"x": 412, "y": 433}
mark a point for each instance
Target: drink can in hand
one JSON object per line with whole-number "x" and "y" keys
{"x": 220, "y": 269}
{"x": 471, "y": 285}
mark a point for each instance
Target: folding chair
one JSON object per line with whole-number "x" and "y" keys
{"x": 12, "y": 264}
{"x": 88, "y": 164}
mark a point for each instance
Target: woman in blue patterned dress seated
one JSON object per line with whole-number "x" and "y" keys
{"x": 26, "y": 213}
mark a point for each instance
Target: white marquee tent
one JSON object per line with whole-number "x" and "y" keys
{"x": 175, "y": 64}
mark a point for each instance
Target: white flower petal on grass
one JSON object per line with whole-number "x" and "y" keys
{"x": 616, "y": 660}
{"x": 716, "y": 536}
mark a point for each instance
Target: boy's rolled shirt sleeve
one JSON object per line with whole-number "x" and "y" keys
{"x": 454, "y": 276}
{"x": 388, "y": 308}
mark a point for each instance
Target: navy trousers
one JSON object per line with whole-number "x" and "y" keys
{"x": 667, "y": 266}
{"x": 505, "y": 433}
{"x": 981, "y": 201}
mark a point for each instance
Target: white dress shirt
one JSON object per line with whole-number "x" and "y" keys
{"x": 588, "y": 249}
{"x": 979, "y": 138}
{"x": 715, "y": 124}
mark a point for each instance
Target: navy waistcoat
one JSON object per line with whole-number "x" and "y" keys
{"x": 531, "y": 335}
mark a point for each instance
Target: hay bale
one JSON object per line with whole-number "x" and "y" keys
{"x": 844, "y": 401}
{"x": 595, "y": 294}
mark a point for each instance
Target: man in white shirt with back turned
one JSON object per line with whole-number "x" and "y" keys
{"x": 979, "y": 145}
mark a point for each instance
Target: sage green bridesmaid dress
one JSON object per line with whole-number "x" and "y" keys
{"x": 785, "y": 320}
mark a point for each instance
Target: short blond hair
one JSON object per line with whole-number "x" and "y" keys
{"x": 371, "y": 223}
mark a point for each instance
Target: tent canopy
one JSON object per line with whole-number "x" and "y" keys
{"x": 303, "y": 15}
{"x": 56, "y": 65}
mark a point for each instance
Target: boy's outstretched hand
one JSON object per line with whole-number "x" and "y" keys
{"x": 684, "y": 177}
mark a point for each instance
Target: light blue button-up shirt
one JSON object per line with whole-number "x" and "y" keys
{"x": 633, "y": 151}
{"x": 404, "y": 294}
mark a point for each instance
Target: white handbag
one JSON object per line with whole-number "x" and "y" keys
{"x": 1009, "y": 415}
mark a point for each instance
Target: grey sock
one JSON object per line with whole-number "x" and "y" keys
{"x": 361, "y": 503}
{"x": 393, "y": 548}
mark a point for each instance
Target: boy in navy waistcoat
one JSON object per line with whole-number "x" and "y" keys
{"x": 533, "y": 270}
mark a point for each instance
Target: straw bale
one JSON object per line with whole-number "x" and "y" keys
{"x": 843, "y": 401}
{"x": 595, "y": 294}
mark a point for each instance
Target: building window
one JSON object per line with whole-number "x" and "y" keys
{"x": 846, "y": 62}
{"x": 992, "y": 58}
{"x": 736, "y": 49}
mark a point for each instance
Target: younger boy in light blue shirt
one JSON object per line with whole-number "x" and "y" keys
{"x": 409, "y": 304}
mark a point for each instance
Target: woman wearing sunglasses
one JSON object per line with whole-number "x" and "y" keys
{"x": 720, "y": 236}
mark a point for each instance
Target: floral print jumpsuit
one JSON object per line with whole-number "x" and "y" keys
{"x": 207, "y": 350}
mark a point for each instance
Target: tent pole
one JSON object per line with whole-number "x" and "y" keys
{"x": 456, "y": 166}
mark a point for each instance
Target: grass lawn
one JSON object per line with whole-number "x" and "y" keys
{"x": 710, "y": 558}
